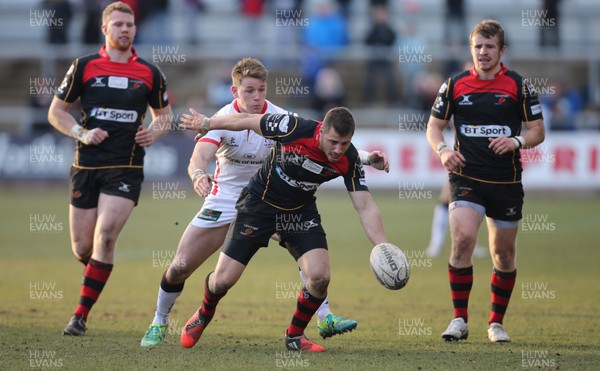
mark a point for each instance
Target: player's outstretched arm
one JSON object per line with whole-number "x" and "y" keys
{"x": 234, "y": 122}
{"x": 370, "y": 216}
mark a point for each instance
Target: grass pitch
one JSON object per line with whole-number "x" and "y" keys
{"x": 553, "y": 317}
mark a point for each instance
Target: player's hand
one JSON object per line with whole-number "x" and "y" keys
{"x": 196, "y": 121}
{"x": 502, "y": 145}
{"x": 144, "y": 137}
{"x": 379, "y": 161}
{"x": 93, "y": 137}
{"x": 203, "y": 184}
{"x": 452, "y": 159}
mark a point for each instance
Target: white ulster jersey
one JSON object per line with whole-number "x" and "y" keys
{"x": 240, "y": 154}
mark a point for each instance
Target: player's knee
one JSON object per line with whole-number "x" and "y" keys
{"x": 82, "y": 251}
{"x": 462, "y": 242}
{"x": 319, "y": 282}
{"x": 503, "y": 258}
{"x": 178, "y": 271}
{"x": 219, "y": 283}
{"x": 106, "y": 240}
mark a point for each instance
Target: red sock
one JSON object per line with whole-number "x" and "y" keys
{"x": 461, "y": 281}
{"x": 94, "y": 278}
{"x": 306, "y": 307}
{"x": 502, "y": 286}
{"x": 209, "y": 302}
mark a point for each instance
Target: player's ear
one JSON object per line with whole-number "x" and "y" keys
{"x": 502, "y": 50}
{"x": 104, "y": 29}
{"x": 234, "y": 91}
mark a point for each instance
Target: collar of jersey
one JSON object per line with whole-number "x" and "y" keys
{"x": 502, "y": 71}
{"x": 104, "y": 54}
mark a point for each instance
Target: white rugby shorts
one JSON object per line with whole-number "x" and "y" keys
{"x": 215, "y": 212}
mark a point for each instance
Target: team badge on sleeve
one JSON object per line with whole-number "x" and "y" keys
{"x": 65, "y": 82}
{"x": 277, "y": 123}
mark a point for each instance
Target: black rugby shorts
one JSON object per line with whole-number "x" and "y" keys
{"x": 501, "y": 201}
{"x": 87, "y": 184}
{"x": 256, "y": 221}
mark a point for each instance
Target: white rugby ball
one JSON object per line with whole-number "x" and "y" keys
{"x": 389, "y": 265}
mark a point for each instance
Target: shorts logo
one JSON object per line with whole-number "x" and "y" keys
{"x": 536, "y": 109}
{"x": 249, "y": 231}
{"x": 464, "y": 191}
{"x": 465, "y": 101}
{"x": 98, "y": 83}
{"x": 310, "y": 223}
{"x": 118, "y": 115}
{"x": 485, "y": 130}
{"x": 124, "y": 187}
{"x": 511, "y": 211}
{"x": 209, "y": 214}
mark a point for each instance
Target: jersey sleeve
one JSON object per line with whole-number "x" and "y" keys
{"x": 277, "y": 126}
{"x": 442, "y": 107}
{"x": 214, "y": 136}
{"x": 531, "y": 109}
{"x": 159, "y": 97}
{"x": 71, "y": 86}
{"x": 355, "y": 179}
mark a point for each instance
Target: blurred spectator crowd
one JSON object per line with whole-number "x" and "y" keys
{"x": 396, "y": 72}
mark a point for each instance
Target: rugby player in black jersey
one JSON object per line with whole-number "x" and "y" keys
{"x": 115, "y": 87}
{"x": 490, "y": 105}
{"x": 308, "y": 153}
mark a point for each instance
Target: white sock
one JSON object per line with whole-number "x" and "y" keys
{"x": 439, "y": 225}
{"x": 164, "y": 303}
{"x": 324, "y": 309}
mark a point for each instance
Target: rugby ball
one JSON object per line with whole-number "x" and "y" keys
{"x": 389, "y": 265}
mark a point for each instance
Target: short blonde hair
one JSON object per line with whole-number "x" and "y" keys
{"x": 117, "y": 6}
{"x": 248, "y": 67}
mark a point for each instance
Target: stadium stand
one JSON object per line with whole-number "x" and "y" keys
{"x": 24, "y": 53}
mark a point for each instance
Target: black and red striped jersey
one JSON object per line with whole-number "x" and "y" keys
{"x": 114, "y": 97}
{"x": 296, "y": 166}
{"x": 486, "y": 109}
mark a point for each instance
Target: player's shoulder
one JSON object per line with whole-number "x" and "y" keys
{"x": 513, "y": 75}
{"x": 84, "y": 60}
{"x": 226, "y": 110}
{"x": 352, "y": 152}
{"x": 460, "y": 76}
{"x": 154, "y": 68}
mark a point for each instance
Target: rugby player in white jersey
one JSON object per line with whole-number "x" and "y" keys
{"x": 239, "y": 154}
